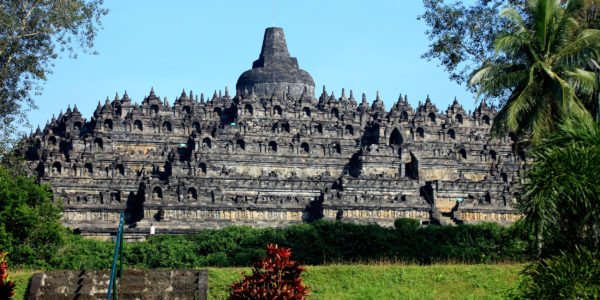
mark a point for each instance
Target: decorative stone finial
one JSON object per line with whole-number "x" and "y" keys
{"x": 483, "y": 104}
{"x": 125, "y": 97}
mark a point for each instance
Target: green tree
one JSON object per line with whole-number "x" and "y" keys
{"x": 459, "y": 42}
{"x": 32, "y": 34}
{"x": 561, "y": 193}
{"x": 545, "y": 54}
{"x": 30, "y": 226}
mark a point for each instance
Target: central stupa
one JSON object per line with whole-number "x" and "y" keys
{"x": 275, "y": 72}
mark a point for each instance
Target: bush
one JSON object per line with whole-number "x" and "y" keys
{"x": 30, "y": 226}
{"x": 573, "y": 275}
{"x": 406, "y": 224}
{"x": 316, "y": 243}
{"x": 274, "y": 277}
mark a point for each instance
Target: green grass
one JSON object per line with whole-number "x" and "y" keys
{"x": 393, "y": 281}
{"x": 21, "y": 278}
{"x": 386, "y": 281}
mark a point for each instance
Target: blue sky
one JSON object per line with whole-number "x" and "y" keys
{"x": 366, "y": 46}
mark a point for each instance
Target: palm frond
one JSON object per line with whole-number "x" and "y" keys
{"x": 582, "y": 80}
{"x": 514, "y": 18}
{"x": 522, "y": 103}
{"x": 584, "y": 47}
{"x": 543, "y": 68}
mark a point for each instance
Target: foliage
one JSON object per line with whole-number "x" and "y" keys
{"x": 458, "y": 40}
{"x": 561, "y": 193}
{"x": 7, "y": 286}
{"x": 317, "y": 243}
{"x": 276, "y": 276}
{"x": 29, "y": 222}
{"x": 461, "y": 44}
{"x": 406, "y": 224}
{"x": 31, "y": 36}
{"x": 574, "y": 275}
{"x": 545, "y": 53}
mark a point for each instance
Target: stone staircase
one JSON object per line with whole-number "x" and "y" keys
{"x": 135, "y": 284}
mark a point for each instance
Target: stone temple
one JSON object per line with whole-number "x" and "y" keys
{"x": 273, "y": 154}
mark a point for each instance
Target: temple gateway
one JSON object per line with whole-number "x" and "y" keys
{"x": 273, "y": 154}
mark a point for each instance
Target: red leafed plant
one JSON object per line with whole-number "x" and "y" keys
{"x": 274, "y": 277}
{"x": 7, "y": 286}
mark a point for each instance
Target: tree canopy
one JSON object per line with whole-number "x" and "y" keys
{"x": 30, "y": 226}
{"x": 462, "y": 35}
{"x": 32, "y": 34}
{"x": 545, "y": 51}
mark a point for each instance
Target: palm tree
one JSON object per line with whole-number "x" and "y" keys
{"x": 542, "y": 59}
{"x": 560, "y": 196}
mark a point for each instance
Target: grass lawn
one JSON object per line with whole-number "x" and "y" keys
{"x": 21, "y": 278}
{"x": 393, "y": 281}
{"x": 376, "y": 281}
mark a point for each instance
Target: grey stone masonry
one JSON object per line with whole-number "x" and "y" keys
{"x": 134, "y": 285}
{"x": 272, "y": 155}
{"x": 275, "y": 73}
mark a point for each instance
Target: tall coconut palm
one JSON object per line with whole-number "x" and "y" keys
{"x": 543, "y": 59}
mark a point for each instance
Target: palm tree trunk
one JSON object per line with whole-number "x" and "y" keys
{"x": 539, "y": 239}
{"x": 596, "y": 69}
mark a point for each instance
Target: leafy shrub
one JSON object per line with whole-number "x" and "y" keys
{"x": 573, "y": 275}
{"x": 7, "y": 286}
{"x": 30, "y": 226}
{"x": 274, "y": 277}
{"x": 316, "y": 243}
{"x": 406, "y": 224}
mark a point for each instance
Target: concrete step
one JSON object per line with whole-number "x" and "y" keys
{"x": 135, "y": 284}
{"x": 175, "y": 295}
